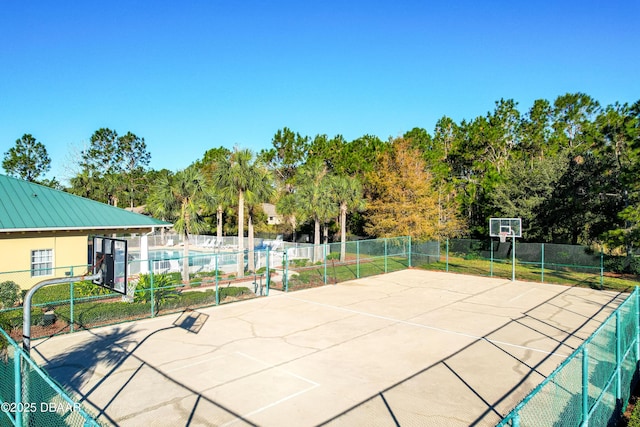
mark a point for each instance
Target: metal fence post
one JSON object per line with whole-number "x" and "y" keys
{"x": 285, "y": 278}
{"x": 71, "y": 317}
{"x": 217, "y": 276}
{"x": 491, "y": 260}
{"x": 637, "y": 323}
{"x": 151, "y": 274}
{"x": 324, "y": 253}
{"x": 151, "y": 290}
{"x": 17, "y": 387}
{"x": 268, "y": 271}
{"x": 409, "y": 252}
{"x": 357, "y": 259}
{"x": 385, "y": 255}
{"x": 618, "y": 358}
{"x": 585, "y": 385}
{"x": 601, "y": 269}
{"x": 447, "y": 255}
{"x": 542, "y": 265}
{"x": 513, "y": 259}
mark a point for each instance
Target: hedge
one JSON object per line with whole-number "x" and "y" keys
{"x": 90, "y": 313}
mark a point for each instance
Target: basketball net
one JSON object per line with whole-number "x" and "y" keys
{"x": 503, "y": 236}
{"x": 131, "y": 291}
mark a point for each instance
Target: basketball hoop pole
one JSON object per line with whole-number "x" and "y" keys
{"x": 26, "y": 306}
{"x": 503, "y": 239}
{"x": 513, "y": 258}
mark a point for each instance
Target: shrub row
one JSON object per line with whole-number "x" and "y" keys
{"x": 100, "y": 312}
{"x": 191, "y": 299}
{"x": 622, "y": 264}
{"x": 12, "y": 319}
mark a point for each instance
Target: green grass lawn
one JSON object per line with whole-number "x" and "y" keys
{"x": 533, "y": 273}
{"x": 337, "y": 272}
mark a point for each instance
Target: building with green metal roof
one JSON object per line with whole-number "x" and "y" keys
{"x": 43, "y": 231}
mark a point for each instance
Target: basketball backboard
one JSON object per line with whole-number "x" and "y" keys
{"x": 512, "y": 227}
{"x": 110, "y": 261}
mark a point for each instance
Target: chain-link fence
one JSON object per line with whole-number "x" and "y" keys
{"x": 160, "y": 289}
{"x": 541, "y": 262}
{"x": 163, "y": 282}
{"x": 166, "y": 281}
{"x": 593, "y": 385}
{"x": 339, "y": 262}
{"x": 30, "y": 397}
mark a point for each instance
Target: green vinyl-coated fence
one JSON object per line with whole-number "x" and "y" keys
{"x": 156, "y": 285}
{"x": 593, "y": 385}
{"x": 339, "y": 262}
{"x": 30, "y": 397}
{"x": 543, "y": 262}
{"x": 157, "y": 288}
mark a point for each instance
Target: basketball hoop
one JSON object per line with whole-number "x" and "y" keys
{"x": 503, "y": 228}
{"x": 131, "y": 292}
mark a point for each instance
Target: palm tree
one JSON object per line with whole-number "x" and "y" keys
{"x": 261, "y": 191}
{"x": 83, "y": 184}
{"x": 347, "y": 192}
{"x": 313, "y": 196}
{"x": 182, "y": 198}
{"x": 211, "y": 160}
{"x": 112, "y": 186}
{"x": 219, "y": 212}
{"x": 287, "y": 206}
{"x": 237, "y": 174}
{"x": 221, "y": 202}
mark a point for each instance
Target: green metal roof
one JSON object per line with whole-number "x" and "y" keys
{"x": 26, "y": 206}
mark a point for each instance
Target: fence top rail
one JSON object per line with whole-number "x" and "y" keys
{"x": 84, "y": 266}
{"x": 573, "y": 355}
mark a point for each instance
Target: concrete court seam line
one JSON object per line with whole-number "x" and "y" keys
{"x": 276, "y": 403}
{"x": 189, "y": 365}
{"x": 312, "y": 386}
{"x": 434, "y": 328}
{"x": 279, "y": 368}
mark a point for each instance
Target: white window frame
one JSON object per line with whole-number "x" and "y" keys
{"x": 41, "y": 262}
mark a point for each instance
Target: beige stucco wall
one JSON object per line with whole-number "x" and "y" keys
{"x": 15, "y": 257}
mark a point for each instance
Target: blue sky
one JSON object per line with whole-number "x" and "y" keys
{"x": 192, "y": 75}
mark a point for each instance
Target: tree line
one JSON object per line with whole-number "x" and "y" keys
{"x": 568, "y": 168}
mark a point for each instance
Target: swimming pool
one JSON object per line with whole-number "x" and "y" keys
{"x": 168, "y": 260}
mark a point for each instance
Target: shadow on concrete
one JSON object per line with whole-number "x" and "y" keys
{"x": 516, "y": 390}
{"x": 191, "y": 320}
{"x": 75, "y": 367}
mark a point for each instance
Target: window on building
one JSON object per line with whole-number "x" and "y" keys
{"x": 41, "y": 262}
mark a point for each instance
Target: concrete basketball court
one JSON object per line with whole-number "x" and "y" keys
{"x": 410, "y": 348}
